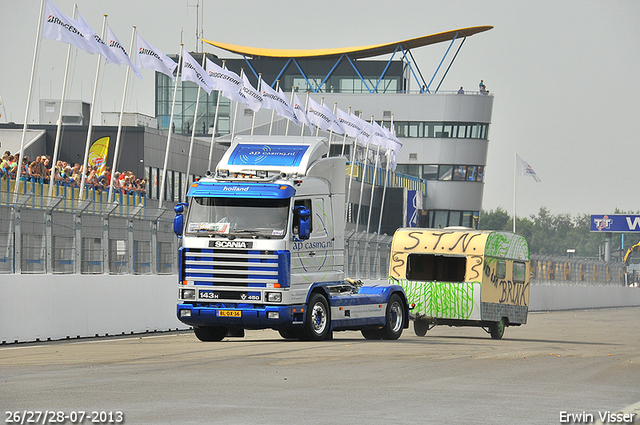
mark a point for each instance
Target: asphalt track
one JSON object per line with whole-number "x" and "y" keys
{"x": 583, "y": 361}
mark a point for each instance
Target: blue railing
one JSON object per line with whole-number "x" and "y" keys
{"x": 395, "y": 179}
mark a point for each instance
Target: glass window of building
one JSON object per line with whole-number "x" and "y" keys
{"x": 455, "y": 218}
{"x": 459, "y": 172}
{"x": 430, "y": 172}
{"x": 467, "y": 219}
{"x": 440, "y": 219}
{"x": 445, "y": 172}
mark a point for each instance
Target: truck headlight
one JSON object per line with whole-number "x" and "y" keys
{"x": 274, "y": 297}
{"x": 273, "y": 315}
{"x": 188, "y": 294}
{"x": 185, "y": 313}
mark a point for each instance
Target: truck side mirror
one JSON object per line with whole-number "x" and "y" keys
{"x": 303, "y": 215}
{"x": 178, "y": 221}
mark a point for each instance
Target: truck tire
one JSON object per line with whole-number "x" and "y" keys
{"x": 372, "y": 334}
{"x": 317, "y": 325}
{"x": 497, "y": 329}
{"x": 420, "y": 328}
{"x": 288, "y": 333}
{"x": 394, "y": 318}
{"x": 210, "y": 333}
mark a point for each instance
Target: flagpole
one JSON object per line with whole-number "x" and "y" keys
{"x": 515, "y": 171}
{"x": 166, "y": 155}
{"x": 56, "y": 146}
{"x": 253, "y": 120}
{"x": 114, "y": 167}
{"x": 193, "y": 131}
{"x": 306, "y": 107}
{"x": 317, "y": 127}
{"x": 215, "y": 122}
{"x": 335, "y": 108}
{"x": 373, "y": 186}
{"x": 273, "y": 111}
{"x": 286, "y": 131}
{"x": 36, "y": 54}
{"x": 91, "y": 111}
{"x": 384, "y": 189}
{"x": 364, "y": 175}
{"x": 235, "y": 114}
{"x": 386, "y": 178}
{"x": 344, "y": 139}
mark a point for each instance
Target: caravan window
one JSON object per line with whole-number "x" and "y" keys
{"x": 501, "y": 269}
{"x": 440, "y": 268}
{"x": 519, "y": 272}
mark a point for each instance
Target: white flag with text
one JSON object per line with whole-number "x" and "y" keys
{"x": 277, "y": 101}
{"x": 118, "y": 50}
{"x": 149, "y": 57}
{"x": 252, "y": 97}
{"x": 524, "y": 169}
{"x": 58, "y": 26}
{"x": 192, "y": 71}
{"x": 224, "y": 80}
{"x": 98, "y": 46}
{"x": 300, "y": 113}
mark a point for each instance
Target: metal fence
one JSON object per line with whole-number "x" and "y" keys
{"x": 57, "y": 235}
{"x": 39, "y": 234}
{"x": 367, "y": 255}
{"x": 548, "y": 270}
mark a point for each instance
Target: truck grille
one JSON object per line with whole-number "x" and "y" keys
{"x": 230, "y": 267}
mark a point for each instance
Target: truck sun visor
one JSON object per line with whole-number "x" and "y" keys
{"x": 243, "y": 190}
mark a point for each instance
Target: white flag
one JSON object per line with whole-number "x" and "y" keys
{"x": 366, "y": 130}
{"x": 378, "y": 137}
{"x": 299, "y": 112}
{"x": 224, "y": 80}
{"x": 350, "y": 126}
{"x": 98, "y": 46}
{"x": 252, "y": 97}
{"x": 151, "y": 58}
{"x": 276, "y": 101}
{"x": 335, "y": 125}
{"x": 525, "y": 169}
{"x": 58, "y": 26}
{"x": 116, "y": 48}
{"x": 317, "y": 115}
{"x": 192, "y": 71}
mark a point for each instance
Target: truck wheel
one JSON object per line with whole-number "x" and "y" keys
{"x": 497, "y": 329}
{"x": 394, "y": 318}
{"x": 372, "y": 334}
{"x": 420, "y": 328}
{"x": 318, "y": 323}
{"x": 287, "y": 333}
{"x": 210, "y": 333}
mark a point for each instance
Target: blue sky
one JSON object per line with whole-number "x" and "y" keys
{"x": 564, "y": 75}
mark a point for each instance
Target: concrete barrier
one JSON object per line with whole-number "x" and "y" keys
{"x": 43, "y": 307}
{"x": 52, "y": 307}
{"x": 571, "y": 297}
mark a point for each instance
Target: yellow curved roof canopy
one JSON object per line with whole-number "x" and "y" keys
{"x": 352, "y": 52}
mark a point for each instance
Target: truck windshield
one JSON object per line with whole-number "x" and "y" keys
{"x": 237, "y": 216}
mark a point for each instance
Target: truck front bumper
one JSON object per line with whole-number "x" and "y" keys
{"x": 247, "y": 316}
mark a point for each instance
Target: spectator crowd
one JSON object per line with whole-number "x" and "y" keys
{"x": 65, "y": 174}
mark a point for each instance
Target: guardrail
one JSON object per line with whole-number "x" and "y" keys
{"x": 39, "y": 234}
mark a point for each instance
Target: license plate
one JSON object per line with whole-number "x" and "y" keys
{"x": 229, "y": 313}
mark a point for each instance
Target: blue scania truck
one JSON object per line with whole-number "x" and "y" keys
{"x": 263, "y": 248}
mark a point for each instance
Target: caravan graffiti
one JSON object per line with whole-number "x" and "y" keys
{"x": 511, "y": 292}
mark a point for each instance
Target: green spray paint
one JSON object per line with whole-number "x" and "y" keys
{"x": 441, "y": 299}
